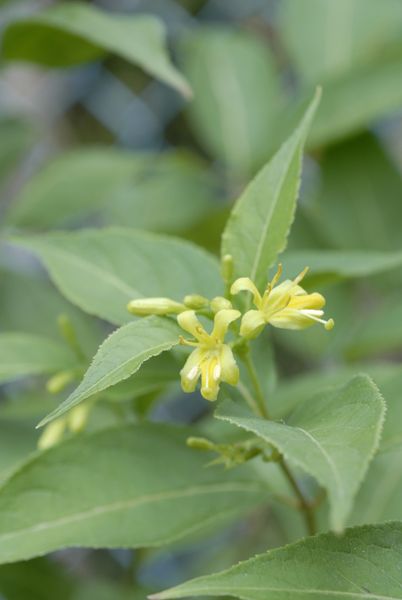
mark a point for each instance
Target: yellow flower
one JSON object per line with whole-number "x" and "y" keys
{"x": 286, "y": 305}
{"x": 212, "y": 360}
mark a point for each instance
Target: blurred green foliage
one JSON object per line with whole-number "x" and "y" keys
{"x": 110, "y": 117}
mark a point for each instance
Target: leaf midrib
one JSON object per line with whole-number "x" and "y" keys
{"x": 296, "y": 460}
{"x": 268, "y": 220}
{"x": 138, "y": 357}
{"x": 229, "y": 590}
{"x": 328, "y": 459}
{"x": 78, "y": 395}
{"x": 133, "y": 503}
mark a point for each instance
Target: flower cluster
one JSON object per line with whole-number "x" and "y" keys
{"x": 286, "y": 305}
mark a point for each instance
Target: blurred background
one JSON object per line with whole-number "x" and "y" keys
{"x": 100, "y": 142}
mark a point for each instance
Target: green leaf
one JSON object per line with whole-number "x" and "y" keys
{"x": 16, "y": 136}
{"x": 379, "y": 498}
{"x": 74, "y": 33}
{"x": 32, "y": 305}
{"x": 292, "y": 391}
{"x": 159, "y": 492}
{"x": 73, "y": 185}
{"x": 331, "y": 436}
{"x": 259, "y": 224}
{"x": 341, "y": 264}
{"x": 376, "y": 332}
{"x": 223, "y": 63}
{"x": 155, "y": 374}
{"x": 326, "y": 38}
{"x": 362, "y": 564}
{"x": 103, "y": 589}
{"x": 38, "y": 579}
{"x": 146, "y": 191}
{"x": 18, "y": 439}
{"x": 336, "y": 47}
{"x": 174, "y": 193}
{"x": 102, "y": 270}
{"x": 121, "y": 355}
{"x": 342, "y": 111}
{"x": 24, "y": 354}
{"x": 355, "y": 177}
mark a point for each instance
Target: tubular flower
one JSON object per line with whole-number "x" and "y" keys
{"x": 154, "y": 306}
{"x": 286, "y": 305}
{"x": 212, "y": 359}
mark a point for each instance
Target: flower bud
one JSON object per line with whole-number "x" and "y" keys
{"x": 200, "y": 443}
{"x": 78, "y": 417}
{"x": 227, "y": 268}
{"x": 52, "y": 434}
{"x": 220, "y": 303}
{"x": 154, "y": 306}
{"x": 59, "y": 382}
{"x": 195, "y": 301}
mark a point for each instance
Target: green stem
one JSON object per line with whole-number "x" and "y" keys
{"x": 305, "y": 507}
{"x": 261, "y": 411}
{"x": 259, "y": 396}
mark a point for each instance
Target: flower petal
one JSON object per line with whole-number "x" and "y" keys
{"x": 189, "y": 322}
{"x": 222, "y": 320}
{"x": 290, "y": 318}
{"x": 229, "y": 368}
{"x": 191, "y": 371}
{"x": 244, "y": 284}
{"x": 252, "y": 323}
{"x": 307, "y": 301}
{"x": 210, "y": 377}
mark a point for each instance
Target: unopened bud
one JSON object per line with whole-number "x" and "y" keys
{"x": 52, "y": 434}
{"x": 227, "y": 268}
{"x": 195, "y": 301}
{"x": 68, "y": 332}
{"x": 220, "y": 303}
{"x": 154, "y": 306}
{"x": 59, "y": 382}
{"x": 66, "y": 327}
{"x": 199, "y": 443}
{"x": 78, "y": 417}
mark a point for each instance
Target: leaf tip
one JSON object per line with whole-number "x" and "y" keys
{"x": 45, "y": 420}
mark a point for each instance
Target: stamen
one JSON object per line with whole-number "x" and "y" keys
{"x": 300, "y": 276}
{"x": 312, "y": 311}
{"x": 277, "y": 276}
{"x": 311, "y": 314}
{"x": 184, "y": 342}
{"x": 271, "y": 284}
